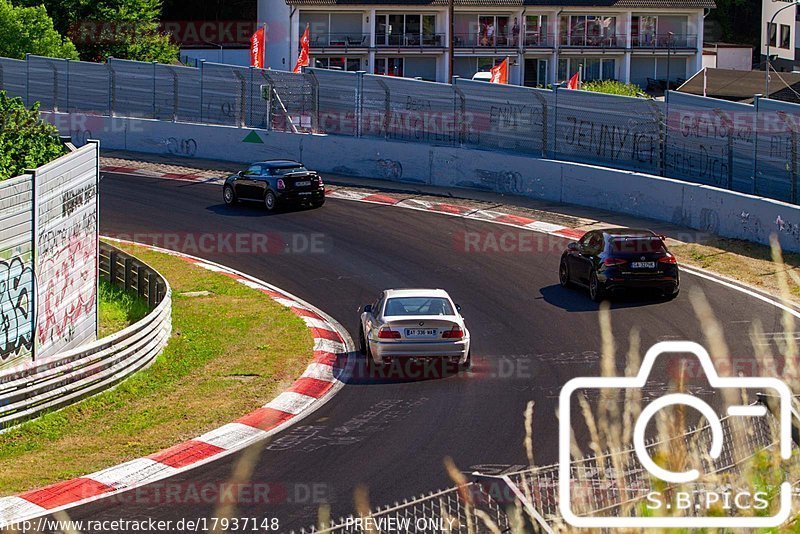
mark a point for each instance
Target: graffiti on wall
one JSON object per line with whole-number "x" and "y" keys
{"x": 67, "y": 247}
{"x": 16, "y": 308}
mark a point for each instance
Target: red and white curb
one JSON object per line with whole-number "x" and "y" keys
{"x": 186, "y": 177}
{"x": 455, "y": 210}
{"x": 322, "y": 379}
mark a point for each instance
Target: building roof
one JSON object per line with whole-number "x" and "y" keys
{"x": 672, "y": 4}
{"x": 742, "y": 85}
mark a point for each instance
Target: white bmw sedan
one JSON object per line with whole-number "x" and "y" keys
{"x": 414, "y": 323}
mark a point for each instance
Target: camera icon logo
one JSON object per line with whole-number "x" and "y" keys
{"x": 773, "y": 386}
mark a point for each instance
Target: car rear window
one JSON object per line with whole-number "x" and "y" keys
{"x": 282, "y": 171}
{"x": 418, "y": 306}
{"x": 637, "y": 245}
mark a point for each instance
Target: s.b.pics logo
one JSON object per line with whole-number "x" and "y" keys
{"x": 673, "y": 494}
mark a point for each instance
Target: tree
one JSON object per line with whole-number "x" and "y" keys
{"x": 30, "y": 30}
{"x": 124, "y": 29}
{"x": 26, "y": 141}
{"x": 739, "y": 21}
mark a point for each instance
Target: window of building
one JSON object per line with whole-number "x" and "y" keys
{"x": 389, "y": 66}
{"x": 406, "y": 29}
{"x": 588, "y": 30}
{"x": 786, "y": 35}
{"x": 334, "y": 29}
{"x": 536, "y": 30}
{"x": 644, "y": 29}
{"x": 772, "y": 34}
{"x": 535, "y": 72}
{"x": 593, "y": 68}
{"x": 351, "y": 64}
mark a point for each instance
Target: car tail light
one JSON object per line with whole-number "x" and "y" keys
{"x": 281, "y": 184}
{"x": 320, "y": 180}
{"x": 453, "y": 333}
{"x": 613, "y": 261}
{"x": 669, "y": 258}
{"x": 388, "y": 333}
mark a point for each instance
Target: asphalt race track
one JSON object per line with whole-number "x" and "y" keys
{"x": 529, "y": 337}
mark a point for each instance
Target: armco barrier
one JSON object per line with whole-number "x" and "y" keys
{"x": 55, "y": 382}
{"x": 704, "y": 208}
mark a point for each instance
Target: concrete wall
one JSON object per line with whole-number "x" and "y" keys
{"x": 707, "y": 209}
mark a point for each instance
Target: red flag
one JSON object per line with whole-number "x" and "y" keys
{"x": 257, "y": 49}
{"x": 500, "y": 72}
{"x": 574, "y": 81}
{"x": 302, "y": 59}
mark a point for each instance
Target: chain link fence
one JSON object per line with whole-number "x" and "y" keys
{"x": 746, "y": 148}
{"x": 612, "y": 484}
{"x": 465, "y": 509}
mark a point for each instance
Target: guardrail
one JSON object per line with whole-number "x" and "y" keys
{"x": 58, "y": 381}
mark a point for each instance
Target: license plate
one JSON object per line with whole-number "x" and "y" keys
{"x": 304, "y": 194}
{"x": 643, "y": 265}
{"x": 421, "y": 332}
{"x": 305, "y": 183}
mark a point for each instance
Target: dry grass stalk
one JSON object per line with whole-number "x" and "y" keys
{"x": 361, "y": 502}
{"x": 242, "y": 473}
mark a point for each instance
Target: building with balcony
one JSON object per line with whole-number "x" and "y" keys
{"x": 546, "y": 42}
{"x": 779, "y": 29}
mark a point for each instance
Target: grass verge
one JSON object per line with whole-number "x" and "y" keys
{"x": 747, "y": 262}
{"x": 231, "y": 351}
{"x": 118, "y": 309}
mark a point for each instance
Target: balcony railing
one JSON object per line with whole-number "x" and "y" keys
{"x": 339, "y": 40}
{"x": 481, "y": 40}
{"x": 411, "y": 40}
{"x": 664, "y": 41}
{"x": 539, "y": 40}
{"x": 593, "y": 41}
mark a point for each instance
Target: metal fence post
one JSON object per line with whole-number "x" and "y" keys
{"x": 309, "y": 74}
{"x": 111, "y": 87}
{"x": 359, "y": 103}
{"x": 28, "y": 80}
{"x": 55, "y": 88}
{"x": 175, "y": 95}
{"x": 155, "y": 66}
{"x": 459, "y": 110}
{"x": 202, "y": 62}
{"x": 240, "y": 116}
{"x": 756, "y": 133}
{"x": 250, "y": 100}
{"x": 665, "y": 135}
{"x": 556, "y": 87}
{"x": 66, "y": 68}
{"x": 34, "y": 260}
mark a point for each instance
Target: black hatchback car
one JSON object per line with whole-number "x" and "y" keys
{"x": 275, "y": 183}
{"x": 606, "y": 261}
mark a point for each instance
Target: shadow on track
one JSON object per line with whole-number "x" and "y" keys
{"x": 577, "y": 300}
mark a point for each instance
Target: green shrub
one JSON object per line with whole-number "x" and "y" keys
{"x": 613, "y": 87}
{"x": 26, "y": 141}
{"x": 30, "y": 30}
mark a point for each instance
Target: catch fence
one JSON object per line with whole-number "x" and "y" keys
{"x": 750, "y": 148}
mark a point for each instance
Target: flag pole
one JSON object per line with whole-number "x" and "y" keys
{"x": 580, "y": 76}
{"x": 264, "y": 46}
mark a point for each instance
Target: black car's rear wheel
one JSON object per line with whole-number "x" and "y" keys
{"x": 563, "y": 275}
{"x": 318, "y": 203}
{"x": 270, "y": 201}
{"x": 229, "y": 196}
{"x": 596, "y": 292}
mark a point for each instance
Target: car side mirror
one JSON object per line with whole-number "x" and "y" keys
{"x": 368, "y": 308}
{"x": 240, "y": 174}
{"x": 575, "y": 247}
{"x": 458, "y": 307}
